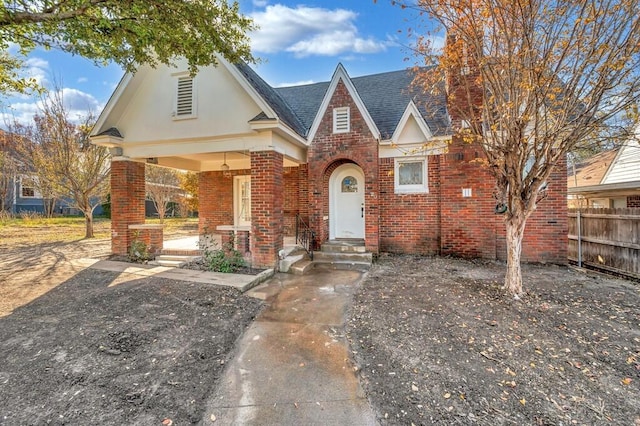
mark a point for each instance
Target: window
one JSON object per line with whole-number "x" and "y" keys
{"x": 410, "y": 176}
{"x": 185, "y": 105}
{"x": 341, "y": 122}
{"x": 349, "y": 184}
{"x": 27, "y": 188}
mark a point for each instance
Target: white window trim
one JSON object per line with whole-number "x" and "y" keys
{"x": 35, "y": 191}
{"x": 194, "y": 91}
{"x": 336, "y": 113}
{"x": 422, "y": 188}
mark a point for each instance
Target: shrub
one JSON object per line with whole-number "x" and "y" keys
{"x": 225, "y": 259}
{"x": 138, "y": 252}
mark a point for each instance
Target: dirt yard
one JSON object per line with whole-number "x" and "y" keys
{"x": 77, "y": 349}
{"x": 438, "y": 343}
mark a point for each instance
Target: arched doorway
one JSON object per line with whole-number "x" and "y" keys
{"x": 346, "y": 202}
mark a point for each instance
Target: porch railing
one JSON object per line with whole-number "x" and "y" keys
{"x": 305, "y": 236}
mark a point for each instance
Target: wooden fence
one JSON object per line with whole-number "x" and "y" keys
{"x": 607, "y": 239}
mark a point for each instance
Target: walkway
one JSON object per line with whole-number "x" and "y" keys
{"x": 292, "y": 365}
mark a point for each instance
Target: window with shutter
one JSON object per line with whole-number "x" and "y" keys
{"x": 184, "y": 98}
{"x": 341, "y": 122}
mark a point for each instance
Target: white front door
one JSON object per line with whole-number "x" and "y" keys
{"x": 242, "y": 200}
{"x": 346, "y": 205}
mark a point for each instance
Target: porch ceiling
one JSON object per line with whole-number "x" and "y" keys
{"x": 211, "y": 161}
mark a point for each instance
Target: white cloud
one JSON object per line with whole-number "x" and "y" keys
{"x": 260, "y": 3}
{"x": 78, "y": 105}
{"x": 306, "y": 31}
{"x": 295, "y": 83}
{"x": 83, "y": 80}
{"x": 38, "y": 69}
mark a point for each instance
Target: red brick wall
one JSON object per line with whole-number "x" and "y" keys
{"x": 410, "y": 223}
{"x": 468, "y": 223}
{"x": 545, "y": 237}
{"x": 291, "y": 199}
{"x": 328, "y": 151}
{"x": 267, "y": 207}
{"x": 215, "y": 195}
{"x": 127, "y": 202}
{"x": 633, "y": 201}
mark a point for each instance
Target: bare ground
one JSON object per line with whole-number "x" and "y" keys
{"x": 437, "y": 342}
{"x": 75, "y": 348}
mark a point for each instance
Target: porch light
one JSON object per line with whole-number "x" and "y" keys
{"x": 225, "y": 167}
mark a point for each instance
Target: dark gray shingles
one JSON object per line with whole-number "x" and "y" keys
{"x": 271, "y": 97}
{"x": 111, "y": 131}
{"x": 385, "y": 96}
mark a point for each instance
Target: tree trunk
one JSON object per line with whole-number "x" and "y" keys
{"x": 513, "y": 277}
{"x": 88, "y": 220}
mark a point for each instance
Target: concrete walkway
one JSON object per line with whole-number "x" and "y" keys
{"x": 292, "y": 365}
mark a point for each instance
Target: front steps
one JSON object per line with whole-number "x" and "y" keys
{"x": 336, "y": 254}
{"x": 176, "y": 258}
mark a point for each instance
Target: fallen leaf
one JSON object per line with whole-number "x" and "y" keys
{"x": 626, "y": 381}
{"x": 523, "y": 401}
{"x": 447, "y": 395}
{"x": 167, "y": 422}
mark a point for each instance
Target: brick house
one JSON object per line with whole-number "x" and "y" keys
{"x": 367, "y": 159}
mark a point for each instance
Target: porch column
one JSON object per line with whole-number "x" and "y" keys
{"x": 267, "y": 206}
{"x": 127, "y": 201}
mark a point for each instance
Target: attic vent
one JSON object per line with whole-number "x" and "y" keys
{"x": 341, "y": 122}
{"x": 184, "y": 100}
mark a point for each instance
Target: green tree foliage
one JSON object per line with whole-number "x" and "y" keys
{"x": 532, "y": 80}
{"x": 127, "y": 32}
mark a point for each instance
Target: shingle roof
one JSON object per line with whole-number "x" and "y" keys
{"x": 270, "y": 96}
{"x": 385, "y": 96}
{"x": 111, "y": 131}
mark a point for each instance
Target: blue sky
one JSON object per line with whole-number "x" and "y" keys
{"x": 298, "y": 42}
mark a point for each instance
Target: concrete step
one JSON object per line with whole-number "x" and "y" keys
{"x": 343, "y": 257}
{"x": 344, "y": 246}
{"x": 286, "y": 263}
{"x": 181, "y": 252}
{"x": 172, "y": 261}
{"x": 301, "y": 267}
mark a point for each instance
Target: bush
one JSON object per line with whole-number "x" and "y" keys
{"x": 29, "y": 216}
{"x": 138, "y": 252}
{"x": 225, "y": 259}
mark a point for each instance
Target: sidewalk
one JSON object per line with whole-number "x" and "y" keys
{"x": 292, "y": 365}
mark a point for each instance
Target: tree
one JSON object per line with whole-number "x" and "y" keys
{"x": 59, "y": 152}
{"x": 8, "y": 174}
{"x": 130, "y": 33}
{"x": 189, "y": 186}
{"x": 531, "y": 79}
{"x": 162, "y": 187}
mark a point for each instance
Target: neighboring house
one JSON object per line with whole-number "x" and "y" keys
{"x": 367, "y": 159}
{"x": 610, "y": 179}
{"x": 18, "y": 188}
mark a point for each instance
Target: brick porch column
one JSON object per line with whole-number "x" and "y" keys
{"x": 127, "y": 201}
{"x": 267, "y": 207}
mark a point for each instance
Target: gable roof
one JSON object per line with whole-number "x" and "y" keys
{"x": 385, "y": 96}
{"x": 271, "y": 97}
{"x": 592, "y": 170}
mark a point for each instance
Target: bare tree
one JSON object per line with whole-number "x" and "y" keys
{"x": 61, "y": 155}
{"x": 529, "y": 81}
{"x": 162, "y": 187}
{"x": 8, "y": 174}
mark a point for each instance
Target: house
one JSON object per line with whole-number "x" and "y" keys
{"x": 18, "y": 185}
{"x": 609, "y": 179}
{"x": 367, "y": 159}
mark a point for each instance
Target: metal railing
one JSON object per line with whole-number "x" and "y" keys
{"x": 305, "y": 236}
